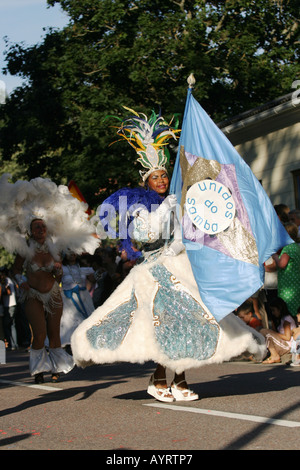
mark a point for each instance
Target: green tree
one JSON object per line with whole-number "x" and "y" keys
{"x": 17, "y": 170}
{"x": 139, "y": 53}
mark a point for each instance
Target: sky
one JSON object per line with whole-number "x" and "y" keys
{"x": 24, "y": 21}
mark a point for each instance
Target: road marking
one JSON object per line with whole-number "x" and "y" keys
{"x": 21, "y": 384}
{"x": 225, "y": 414}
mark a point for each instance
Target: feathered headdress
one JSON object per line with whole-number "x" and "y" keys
{"x": 67, "y": 222}
{"x": 149, "y": 138}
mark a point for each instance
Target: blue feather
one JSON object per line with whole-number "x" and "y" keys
{"x": 135, "y": 197}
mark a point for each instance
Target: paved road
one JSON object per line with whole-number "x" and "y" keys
{"x": 243, "y": 406}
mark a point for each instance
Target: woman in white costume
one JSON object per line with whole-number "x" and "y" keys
{"x": 77, "y": 301}
{"x": 38, "y": 221}
{"x": 43, "y": 304}
{"x": 156, "y": 313}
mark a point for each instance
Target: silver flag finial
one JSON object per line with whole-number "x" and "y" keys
{"x": 191, "y": 80}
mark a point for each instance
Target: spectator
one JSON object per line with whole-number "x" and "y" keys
{"x": 104, "y": 284}
{"x": 295, "y": 346}
{"x": 288, "y": 264}
{"x": 9, "y": 309}
{"x": 282, "y": 210}
{"x": 294, "y": 216}
{"x": 246, "y": 313}
{"x": 24, "y": 333}
{"x": 279, "y": 338}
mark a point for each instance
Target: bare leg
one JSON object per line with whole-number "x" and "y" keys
{"x": 274, "y": 356}
{"x": 180, "y": 379}
{"x": 160, "y": 376}
{"x": 180, "y": 389}
{"x": 53, "y": 328}
{"x": 35, "y": 314}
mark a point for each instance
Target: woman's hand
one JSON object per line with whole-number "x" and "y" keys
{"x": 57, "y": 270}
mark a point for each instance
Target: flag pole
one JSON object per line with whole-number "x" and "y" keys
{"x": 174, "y": 188}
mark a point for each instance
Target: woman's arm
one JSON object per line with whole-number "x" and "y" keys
{"x": 281, "y": 262}
{"x": 270, "y": 268}
{"x": 287, "y": 331}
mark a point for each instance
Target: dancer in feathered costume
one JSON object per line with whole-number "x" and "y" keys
{"x": 156, "y": 313}
{"x": 39, "y": 220}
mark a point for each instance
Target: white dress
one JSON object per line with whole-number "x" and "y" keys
{"x": 77, "y": 301}
{"x": 157, "y": 314}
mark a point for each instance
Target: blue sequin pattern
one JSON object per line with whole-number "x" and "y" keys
{"x": 183, "y": 329}
{"x": 110, "y": 332}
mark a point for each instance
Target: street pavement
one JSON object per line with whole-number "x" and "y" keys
{"x": 242, "y": 406}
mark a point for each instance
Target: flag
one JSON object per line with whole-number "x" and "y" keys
{"x": 229, "y": 225}
{"x": 75, "y": 191}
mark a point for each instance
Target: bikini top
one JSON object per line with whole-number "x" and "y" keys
{"x": 33, "y": 267}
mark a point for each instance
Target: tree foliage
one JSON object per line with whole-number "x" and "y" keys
{"x": 139, "y": 53}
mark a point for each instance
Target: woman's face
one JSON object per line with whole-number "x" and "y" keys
{"x": 71, "y": 257}
{"x": 275, "y": 311}
{"x": 38, "y": 230}
{"x": 158, "y": 181}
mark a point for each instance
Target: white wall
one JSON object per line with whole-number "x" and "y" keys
{"x": 272, "y": 157}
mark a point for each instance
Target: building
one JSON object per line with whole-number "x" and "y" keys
{"x": 268, "y": 138}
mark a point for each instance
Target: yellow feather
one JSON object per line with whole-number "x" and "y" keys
{"x": 132, "y": 111}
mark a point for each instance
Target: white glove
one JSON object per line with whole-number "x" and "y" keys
{"x": 175, "y": 248}
{"x": 167, "y": 205}
{"x": 147, "y": 226}
{"x": 171, "y": 200}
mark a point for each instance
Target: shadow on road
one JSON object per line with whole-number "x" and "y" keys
{"x": 246, "y": 438}
{"x": 266, "y": 379}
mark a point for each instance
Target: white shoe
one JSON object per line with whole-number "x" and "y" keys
{"x": 161, "y": 394}
{"x": 183, "y": 394}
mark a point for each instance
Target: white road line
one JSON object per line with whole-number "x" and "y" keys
{"x": 225, "y": 414}
{"x": 21, "y": 384}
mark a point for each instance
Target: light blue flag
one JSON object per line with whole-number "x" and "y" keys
{"x": 229, "y": 225}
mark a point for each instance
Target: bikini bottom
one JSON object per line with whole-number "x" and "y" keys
{"x": 51, "y": 300}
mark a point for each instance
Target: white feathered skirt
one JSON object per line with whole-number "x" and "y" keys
{"x": 157, "y": 314}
